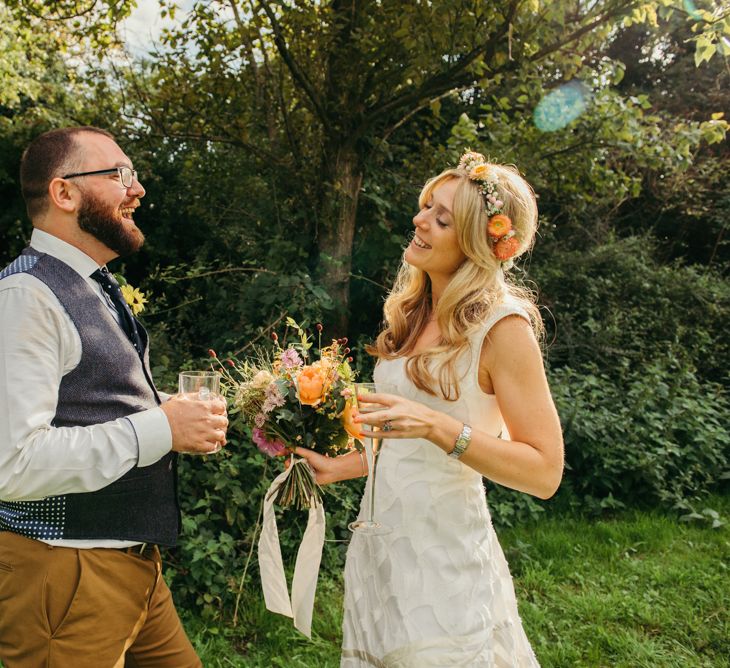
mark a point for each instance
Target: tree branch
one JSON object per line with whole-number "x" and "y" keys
{"x": 442, "y": 82}
{"x": 581, "y": 31}
{"x": 247, "y": 44}
{"x": 458, "y": 77}
{"x": 299, "y": 76}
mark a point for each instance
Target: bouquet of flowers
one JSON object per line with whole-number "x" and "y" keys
{"x": 297, "y": 395}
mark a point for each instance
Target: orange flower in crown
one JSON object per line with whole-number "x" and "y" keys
{"x": 311, "y": 385}
{"x": 506, "y": 248}
{"x": 499, "y": 225}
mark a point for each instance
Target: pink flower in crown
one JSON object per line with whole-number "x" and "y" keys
{"x": 290, "y": 359}
{"x": 259, "y": 420}
{"x": 270, "y": 448}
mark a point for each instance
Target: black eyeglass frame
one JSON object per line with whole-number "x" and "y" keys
{"x": 100, "y": 172}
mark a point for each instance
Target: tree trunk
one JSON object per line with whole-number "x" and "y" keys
{"x": 343, "y": 176}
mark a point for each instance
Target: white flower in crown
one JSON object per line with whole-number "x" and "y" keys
{"x": 484, "y": 174}
{"x": 470, "y": 159}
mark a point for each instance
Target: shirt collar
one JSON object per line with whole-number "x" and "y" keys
{"x": 79, "y": 261}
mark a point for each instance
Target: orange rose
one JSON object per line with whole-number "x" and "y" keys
{"x": 310, "y": 383}
{"x": 353, "y": 428}
{"x": 504, "y": 249}
{"x": 499, "y": 225}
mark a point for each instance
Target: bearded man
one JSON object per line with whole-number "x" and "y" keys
{"x": 88, "y": 446}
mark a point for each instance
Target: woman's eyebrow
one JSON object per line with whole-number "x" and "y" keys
{"x": 440, "y": 208}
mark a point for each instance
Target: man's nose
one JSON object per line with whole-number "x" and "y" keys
{"x": 136, "y": 189}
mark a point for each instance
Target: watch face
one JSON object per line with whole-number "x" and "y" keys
{"x": 462, "y": 442}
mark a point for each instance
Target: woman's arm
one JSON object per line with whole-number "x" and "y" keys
{"x": 334, "y": 469}
{"x": 532, "y": 461}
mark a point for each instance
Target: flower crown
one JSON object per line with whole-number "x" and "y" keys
{"x": 502, "y": 237}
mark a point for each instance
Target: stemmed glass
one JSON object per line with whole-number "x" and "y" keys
{"x": 370, "y": 525}
{"x": 202, "y": 385}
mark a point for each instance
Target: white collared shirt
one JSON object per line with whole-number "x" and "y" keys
{"x": 39, "y": 344}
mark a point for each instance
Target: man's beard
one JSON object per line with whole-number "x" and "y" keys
{"x": 103, "y": 222}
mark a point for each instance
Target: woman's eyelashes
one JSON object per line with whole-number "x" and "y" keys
{"x": 441, "y": 223}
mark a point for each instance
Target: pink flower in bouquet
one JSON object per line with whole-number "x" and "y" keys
{"x": 270, "y": 448}
{"x": 259, "y": 420}
{"x": 273, "y": 399}
{"x": 290, "y": 359}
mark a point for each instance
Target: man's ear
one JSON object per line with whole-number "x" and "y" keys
{"x": 64, "y": 195}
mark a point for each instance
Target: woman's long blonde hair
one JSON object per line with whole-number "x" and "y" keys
{"x": 477, "y": 287}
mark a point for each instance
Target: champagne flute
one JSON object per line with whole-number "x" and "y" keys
{"x": 370, "y": 525}
{"x": 202, "y": 385}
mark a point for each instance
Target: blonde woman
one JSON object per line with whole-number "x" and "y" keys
{"x": 460, "y": 343}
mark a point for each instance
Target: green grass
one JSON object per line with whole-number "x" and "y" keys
{"x": 639, "y": 590}
{"x": 642, "y": 590}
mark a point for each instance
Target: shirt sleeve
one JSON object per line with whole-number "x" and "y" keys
{"x": 38, "y": 346}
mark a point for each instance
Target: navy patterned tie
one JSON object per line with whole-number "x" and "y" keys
{"x": 111, "y": 287}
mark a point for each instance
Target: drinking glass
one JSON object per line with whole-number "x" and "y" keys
{"x": 369, "y": 524}
{"x": 203, "y": 385}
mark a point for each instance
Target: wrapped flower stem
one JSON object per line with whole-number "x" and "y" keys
{"x": 299, "y": 490}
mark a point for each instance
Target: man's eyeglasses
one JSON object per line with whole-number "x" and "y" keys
{"x": 126, "y": 175}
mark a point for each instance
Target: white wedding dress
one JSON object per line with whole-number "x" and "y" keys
{"x": 437, "y": 591}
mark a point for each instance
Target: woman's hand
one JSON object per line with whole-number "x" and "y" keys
{"x": 397, "y": 417}
{"x": 332, "y": 469}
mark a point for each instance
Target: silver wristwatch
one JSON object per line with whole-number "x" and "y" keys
{"x": 462, "y": 442}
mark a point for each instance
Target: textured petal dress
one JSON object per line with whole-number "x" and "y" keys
{"x": 437, "y": 591}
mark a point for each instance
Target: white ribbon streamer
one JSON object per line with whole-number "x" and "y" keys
{"x": 306, "y": 569}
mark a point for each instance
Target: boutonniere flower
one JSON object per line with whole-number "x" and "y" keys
{"x": 134, "y": 297}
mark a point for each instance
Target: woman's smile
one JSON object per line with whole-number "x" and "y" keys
{"x": 419, "y": 243}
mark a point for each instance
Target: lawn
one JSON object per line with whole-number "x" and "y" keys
{"x": 641, "y": 589}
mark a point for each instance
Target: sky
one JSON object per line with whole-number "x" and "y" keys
{"x": 144, "y": 25}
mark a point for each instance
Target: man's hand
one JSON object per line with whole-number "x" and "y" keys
{"x": 197, "y": 426}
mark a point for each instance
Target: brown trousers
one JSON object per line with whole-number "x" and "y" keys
{"x": 99, "y": 608}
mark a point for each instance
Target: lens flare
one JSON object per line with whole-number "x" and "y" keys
{"x": 691, "y": 9}
{"x": 561, "y": 106}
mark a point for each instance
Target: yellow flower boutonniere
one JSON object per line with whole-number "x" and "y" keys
{"x": 134, "y": 297}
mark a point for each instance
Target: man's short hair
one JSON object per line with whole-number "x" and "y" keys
{"x": 48, "y": 156}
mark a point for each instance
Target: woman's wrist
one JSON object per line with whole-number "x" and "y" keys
{"x": 434, "y": 420}
{"x": 445, "y": 431}
{"x": 352, "y": 465}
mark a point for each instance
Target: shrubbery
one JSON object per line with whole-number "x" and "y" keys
{"x": 658, "y": 435}
{"x": 637, "y": 369}
{"x": 636, "y": 374}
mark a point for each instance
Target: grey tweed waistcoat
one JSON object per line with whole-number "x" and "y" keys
{"x": 110, "y": 382}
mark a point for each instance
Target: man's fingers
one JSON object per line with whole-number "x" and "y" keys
{"x": 218, "y": 421}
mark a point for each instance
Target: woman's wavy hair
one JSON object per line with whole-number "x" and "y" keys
{"x": 478, "y": 286}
